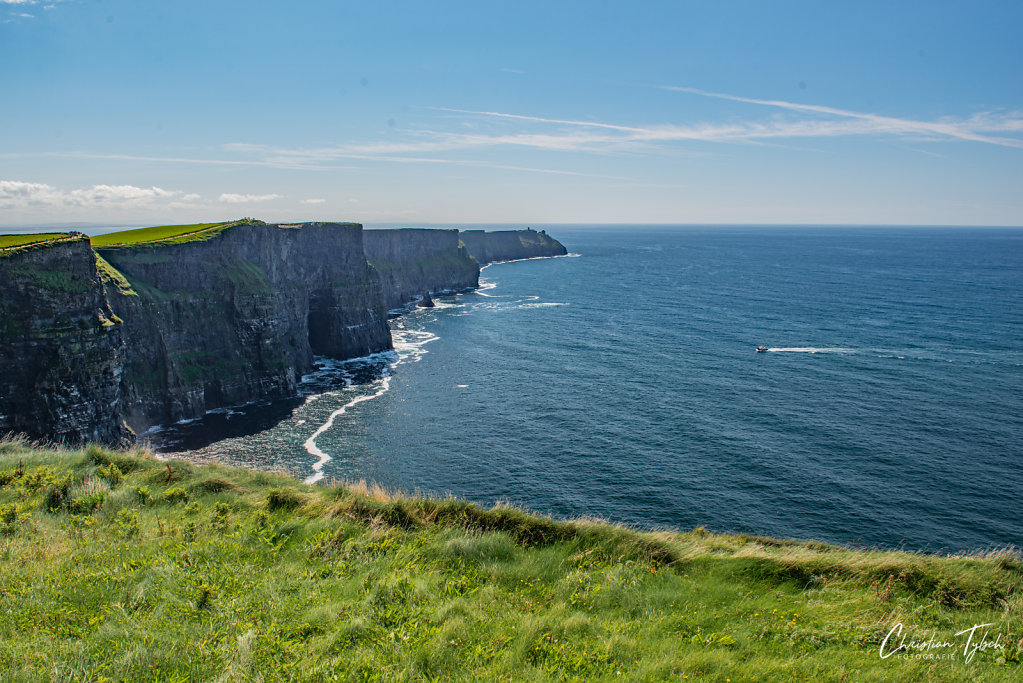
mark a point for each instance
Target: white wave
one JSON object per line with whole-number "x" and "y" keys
{"x": 543, "y": 304}
{"x": 409, "y": 345}
{"x": 529, "y": 258}
{"x": 227, "y": 412}
{"x": 310, "y": 444}
{"x": 811, "y": 349}
{"x": 484, "y": 286}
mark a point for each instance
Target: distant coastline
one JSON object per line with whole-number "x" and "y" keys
{"x": 112, "y": 335}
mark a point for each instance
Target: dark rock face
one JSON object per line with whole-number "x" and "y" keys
{"x": 413, "y": 261}
{"x": 96, "y": 343}
{"x": 61, "y": 347}
{"x": 238, "y": 317}
{"x": 426, "y": 301}
{"x": 509, "y": 245}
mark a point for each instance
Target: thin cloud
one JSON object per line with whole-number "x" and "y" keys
{"x": 230, "y": 198}
{"x": 290, "y": 165}
{"x": 949, "y": 128}
{"x": 538, "y": 119}
{"x": 19, "y": 194}
{"x": 315, "y": 200}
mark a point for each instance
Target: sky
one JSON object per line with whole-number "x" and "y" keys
{"x": 854, "y": 112}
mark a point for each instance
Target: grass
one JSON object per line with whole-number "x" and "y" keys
{"x": 54, "y": 280}
{"x": 118, "y": 566}
{"x": 173, "y": 234}
{"x": 21, "y": 240}
{"x": 113, "y": 277}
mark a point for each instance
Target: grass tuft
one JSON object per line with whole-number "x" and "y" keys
{"x": 176, "y": 571}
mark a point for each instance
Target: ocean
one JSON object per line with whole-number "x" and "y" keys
{"x": 622, "y": 382}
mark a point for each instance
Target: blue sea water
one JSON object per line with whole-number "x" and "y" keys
{"x": 621, "y": 382}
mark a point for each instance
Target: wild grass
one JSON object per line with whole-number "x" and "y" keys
{"x": 113, "y": 277}
{"x": 119, "y": 566}
{"x": 21, "y": 240}
{"x": 159, "y": 233}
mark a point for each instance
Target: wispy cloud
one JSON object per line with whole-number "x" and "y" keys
{"x": 538, "y": 119}
{"x": 971, "y": 129}
{"x": 20, "y": 194}
{"x": 488, "y": 139}
{"x": 229, "y": 198}
{"x": 314, "y": 200}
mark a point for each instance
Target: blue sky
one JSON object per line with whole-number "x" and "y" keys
{"x": 515, "y": 112}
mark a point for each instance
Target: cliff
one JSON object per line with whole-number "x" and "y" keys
{"x": 238, "y": 317}
{"x": 61, "y": 346}
{"x": 156, "y": 325}
{"x": 510, "y": 245}
{"x": 414, "y": 262}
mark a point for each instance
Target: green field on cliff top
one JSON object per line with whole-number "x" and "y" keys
{"x": 22, "y": 240}
{"x": 118, "y": 566}
{"x": 159, "y": 233}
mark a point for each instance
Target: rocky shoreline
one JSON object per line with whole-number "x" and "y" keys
{"x": 102, "y": 342}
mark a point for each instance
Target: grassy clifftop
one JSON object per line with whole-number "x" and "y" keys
{"x": 10, "y": 241}
{"x": 162, "y": 234}
{"x": 119, "y": 566}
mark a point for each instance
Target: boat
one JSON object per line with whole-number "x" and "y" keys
{"x": 761, "y": 349}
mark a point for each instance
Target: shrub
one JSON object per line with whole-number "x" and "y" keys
{"x": 282, "y": 499}
{"x": 142, "y": 494}
{"x": 127, "y": 523}
{"x": 8, "y": 519}
{"x": 111, "y": 473}
{"x": 176, "y": 495}
{"x": 222, "y": 518}
{"x": 214, "y": 485}
{"x": 58, "y": 496}
{"x": 86, "y": 505}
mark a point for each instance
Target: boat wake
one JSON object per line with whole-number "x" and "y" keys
{"x": 810, "y": 349}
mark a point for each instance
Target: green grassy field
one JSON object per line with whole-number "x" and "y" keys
{"x": 117, "y": 566}
{"x": 160, "y": 233}
{"x": 22, "y": 240}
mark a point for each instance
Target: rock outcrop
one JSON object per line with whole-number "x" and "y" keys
{"x": 510, "y": 245}
{"x": 61, "y": 346}
{"x": 412, "y": 261}
{"x": 97, "y": 341}
{"x": 238, "y": 317}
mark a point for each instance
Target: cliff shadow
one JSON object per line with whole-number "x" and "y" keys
{"x": 320, "y": 324}
{"x": 224, "y": 423}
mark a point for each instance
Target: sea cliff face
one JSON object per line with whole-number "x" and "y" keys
{"x": 96, "y": 342}
{"x": 413, "y": 262}
{"x": 510, "y": 245}
{"x": 238, "y": 317}
{"x": 61, "y": 346}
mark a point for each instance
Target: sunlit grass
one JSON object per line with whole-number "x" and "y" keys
{"x": 22, "y": 240}
{"x": 120, "y": 566}
{"x": 157, "y": 233}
